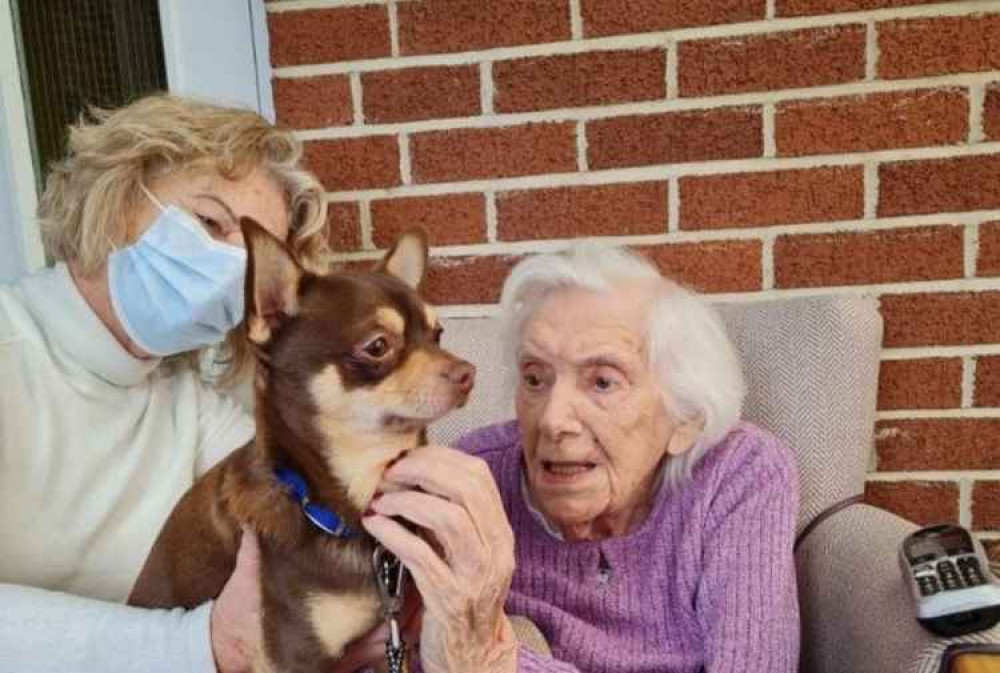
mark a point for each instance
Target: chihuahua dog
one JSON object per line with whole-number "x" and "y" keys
{"x": 349, "y": 374}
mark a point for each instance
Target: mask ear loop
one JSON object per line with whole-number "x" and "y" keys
{"x": 156, "y": 202}
{"x": 145, "y": 190}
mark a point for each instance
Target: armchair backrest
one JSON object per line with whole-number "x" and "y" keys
{"x": 811, "y": 366}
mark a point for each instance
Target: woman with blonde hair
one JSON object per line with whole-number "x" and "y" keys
{"x": 105, "y": 418}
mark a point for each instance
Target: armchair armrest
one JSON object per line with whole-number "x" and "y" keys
{"x": 856, "y": 613}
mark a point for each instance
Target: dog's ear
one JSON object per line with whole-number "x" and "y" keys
{"x": 407, "y": 258}
{"x": 272, "y": 282}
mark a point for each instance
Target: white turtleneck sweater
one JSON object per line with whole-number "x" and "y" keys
{"x": 96, "y": 446}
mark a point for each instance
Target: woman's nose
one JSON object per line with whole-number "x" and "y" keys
{"x": 559, "y": 416}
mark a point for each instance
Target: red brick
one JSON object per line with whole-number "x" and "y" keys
{"x": 328, "y": 35}
{"x": 438, "y": 26}
{"x": 711, "y": 266}
{"x": 939, "y": 185}
{"x": 618, "y": 17}
{"x": 791, "y": 60}
{"x": 938, "y": 46}
{"x": 355, "y": 163}
{"x": 470, "y": 154}
{"x": 452, "y": 219}
{"x": 860, "y": 258}
{"x": 986, "y": 505}
{"x": 991, "y": 113}
{"x": 872, "y": 122}
{"x": 673, "y": 137}
{"x": 941, "y": 319}
{"x": 420, "y": 93}
{"x": 922, "y": 502}
{"x": 344, "y": 223}
{"x": 815, "y": 7}
{"x": 467, "y": 280}
{"x": 574, "y": 80}
{"x": 988, "y": 262}
{"x": 938, "y": 444}
{"x": 922, "y": 383}
{"x": 313, "y": 102}
{"x": 766, "y": 199}
{"x": 626, "y": 209}
{"x": 987, "y": 381}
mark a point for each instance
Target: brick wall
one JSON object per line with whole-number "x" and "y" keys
{"x": 753, "y": 148}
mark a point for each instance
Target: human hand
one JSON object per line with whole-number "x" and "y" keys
{"x": 464, "y": 582}
{"x": 235, "y": 620}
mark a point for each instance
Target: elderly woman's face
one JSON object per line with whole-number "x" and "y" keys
{"x": 592, "y": 419}
{"x": 218, "y": 203}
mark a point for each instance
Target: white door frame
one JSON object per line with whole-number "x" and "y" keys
{"x": 218, "y": 51}
{"x": 215, "y": 50}
{"x": 20, "y": 241}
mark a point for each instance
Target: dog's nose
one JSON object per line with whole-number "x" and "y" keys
{"x": 462, "y": 375}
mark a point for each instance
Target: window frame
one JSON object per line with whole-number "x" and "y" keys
{"x": 212, "y": 50}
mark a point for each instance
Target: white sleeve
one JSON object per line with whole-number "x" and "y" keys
{"x": 44, "y": 631}
{"x": 224, "y": 426}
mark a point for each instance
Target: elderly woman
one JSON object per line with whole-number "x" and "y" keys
{"x": 627, "y": 511}
{"x": 104, "y": 419}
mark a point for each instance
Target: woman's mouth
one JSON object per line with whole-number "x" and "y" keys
{"x": 566, "y": 471}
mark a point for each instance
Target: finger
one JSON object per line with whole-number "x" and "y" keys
{"x": 429, "y": 572}
{"x": 246, "y": 571}
{"x": 460, "y": 478}
{"x": 249, "y": 552}
{"x": 451, "y": 524}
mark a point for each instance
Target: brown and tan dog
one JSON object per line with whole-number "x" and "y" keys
{"x": 349, "y": 374}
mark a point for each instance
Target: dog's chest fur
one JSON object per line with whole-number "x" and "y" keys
{"x": 317, "y": 600}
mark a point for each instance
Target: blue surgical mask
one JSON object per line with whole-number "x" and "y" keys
{"x": 177, "y": 289}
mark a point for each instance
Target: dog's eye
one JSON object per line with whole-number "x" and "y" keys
{"x": 438, "y": 331}
{"x": 377, "y": 348}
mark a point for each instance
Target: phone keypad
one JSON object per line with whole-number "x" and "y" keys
{"x": 950, "y": 575}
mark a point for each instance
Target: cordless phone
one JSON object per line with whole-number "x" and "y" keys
{"x": 950, "y": 580}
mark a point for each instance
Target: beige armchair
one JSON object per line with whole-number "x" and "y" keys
{"x": 812, "y": 371}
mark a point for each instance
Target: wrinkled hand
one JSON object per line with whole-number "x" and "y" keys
{"x": 464, "y": 579}
{"x": 369, "y": 650}
{"x": 236, "y": 612}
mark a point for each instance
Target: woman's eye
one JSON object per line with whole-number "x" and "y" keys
{"x": 605, "y": 382}
{"x": 438, "y": 331}
{"x": 532, "y": 380}
{"x": 377, "y": 348}
{"x": 211, "y": 224}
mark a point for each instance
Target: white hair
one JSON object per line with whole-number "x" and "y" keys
{"x": 689, "y": 353}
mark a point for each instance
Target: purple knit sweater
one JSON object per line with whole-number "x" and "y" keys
{"x": 707, "y": 582}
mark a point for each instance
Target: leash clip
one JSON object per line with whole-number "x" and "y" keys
{"x": 390, "y": 578}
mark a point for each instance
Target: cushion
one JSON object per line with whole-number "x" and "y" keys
{"x": 811, "y": 366}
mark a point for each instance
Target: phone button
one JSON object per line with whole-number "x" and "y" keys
{"x": 928, "y": 585}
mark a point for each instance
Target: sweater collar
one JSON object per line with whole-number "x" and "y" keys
{"x": 73, "y": 328}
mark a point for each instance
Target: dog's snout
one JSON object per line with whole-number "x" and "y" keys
{"x": 462, "y": 375}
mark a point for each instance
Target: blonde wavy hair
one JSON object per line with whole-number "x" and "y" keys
{"x": 89, "y": 194}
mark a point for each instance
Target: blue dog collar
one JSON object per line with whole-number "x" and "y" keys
{"x": 324, "y": 519}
